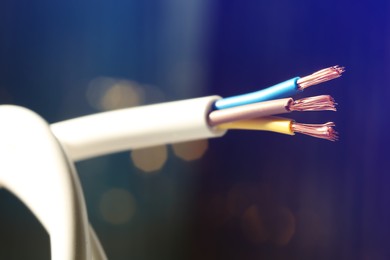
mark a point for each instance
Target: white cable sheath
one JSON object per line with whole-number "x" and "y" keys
{"x": 37, "y": 171}
{"x": 138, "y": 127}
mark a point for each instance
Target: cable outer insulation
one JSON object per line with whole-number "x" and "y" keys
{"x": 138, "y": 127}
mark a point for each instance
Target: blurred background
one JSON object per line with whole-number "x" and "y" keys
{"x": 248, "y": 195}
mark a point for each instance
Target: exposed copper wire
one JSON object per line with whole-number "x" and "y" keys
{"x": 324, "y": 131}
{"x": 316, "y": 103}
{"x": 320, "y": 76}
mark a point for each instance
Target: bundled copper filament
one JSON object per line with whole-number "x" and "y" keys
{"x": 324, "y": 131}
{"x": 317, "y": 103}
{"x": 320, "y": 76}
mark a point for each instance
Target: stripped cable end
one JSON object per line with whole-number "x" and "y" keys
{"x": 317, "y": 103}
{"x": 324, "y": 131}
{"x": 320, "y": 76}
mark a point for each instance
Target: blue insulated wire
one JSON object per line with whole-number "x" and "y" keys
{"x": 284, "y": 89}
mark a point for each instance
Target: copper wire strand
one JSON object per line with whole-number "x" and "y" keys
{"x": 316, "y": 103}
{"x": 323, "y": 131}
{"x": 320, "y": 76}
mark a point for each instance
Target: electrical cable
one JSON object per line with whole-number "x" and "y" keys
{"x": 192, "y": 119}
{"x": 284, "y": 89}
{"x": 284, "y": 126}
{"x": 57, "y": 199}
{"x": 272, "y": 107}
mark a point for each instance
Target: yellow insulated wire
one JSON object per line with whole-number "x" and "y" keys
{"x": 273, "y": 124}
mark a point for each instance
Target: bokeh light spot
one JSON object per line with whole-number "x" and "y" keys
{"x": 96, "y": 90}
{"x": 121, "y": 95}
{"x": 284, "y": 226}
{"x": 150, "y": 159}
{"x": 253, "y": 225}
{"x": 190, "y": 151}
{"x": 117, "y": 206}
{"x": 105, "y": 93}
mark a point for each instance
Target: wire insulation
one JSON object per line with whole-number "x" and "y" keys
{"x": 285, "y": 89}
{"x": 284, "y": 126}
{"x": 273, "y": 124}
{"x": 272, "y": 107}
{"x": 261, "y": 109}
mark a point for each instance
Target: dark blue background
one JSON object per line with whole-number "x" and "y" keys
{"x": 333, "y": 198}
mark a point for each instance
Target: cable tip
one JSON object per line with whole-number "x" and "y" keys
{"x": 316, "y": 103}
{"x": 320, "y": 76}
{"x": 323, "y": 131}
